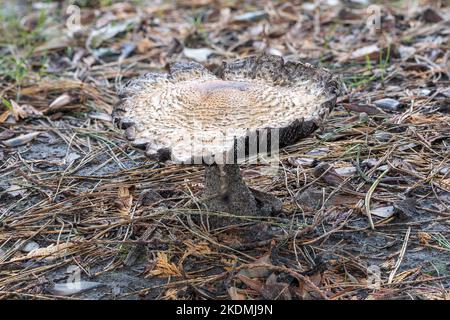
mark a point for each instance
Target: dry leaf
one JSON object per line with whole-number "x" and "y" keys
{"x": 388, "y": 264}
{"x": 307, "y": 162}
{"x": 252, "y": 284}
{"x": 51, "y": 252}
{"x": 235, "y": 295}
{"x": 124, "y": 201}
{"x": 274, "y": 290}
{"x": 17, "y": 111}
{"x": 4, "y": 116}
{"x": 257, "y": 272}
{"x": 22, "y": 111}
{"x": 171, "y": 294}
{"x": 198, "y": 249}
{"x": 230, "y": 263}
{"x": 15, "y": 190}
{"x": 6, "y": 134}
{"x": 144, "y": 45}
{"x": 21, "y": 140}
{"x": 163, "y": 267}
{"x": 403, "y": 275}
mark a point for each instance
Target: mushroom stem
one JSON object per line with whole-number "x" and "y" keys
{"x": 226, "y": 191}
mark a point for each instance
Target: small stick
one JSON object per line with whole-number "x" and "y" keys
{"x": 369, "y": 195}
{"x": 400, "y": 257}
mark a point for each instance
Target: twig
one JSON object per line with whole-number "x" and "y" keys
{"x": 400, "y": 257}
{"x": 369, "y": 195}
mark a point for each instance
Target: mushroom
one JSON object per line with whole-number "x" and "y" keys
{"x": 254, "y": 106}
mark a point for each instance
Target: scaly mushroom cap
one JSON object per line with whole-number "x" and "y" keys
{"x": 191, "y": 113}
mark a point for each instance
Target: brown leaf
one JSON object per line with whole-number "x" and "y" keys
{"x": 370, "y": 110}
{"x": 329, "y": 175}
{"x": 235, "y": 295}
{"x": 6, "y": 134}
{"x": 303, "y": 162}
{"x": 163, "y": 267}
{"x": 17, "y": 111}
{"x": 4, "y": 116}
{"x": 252, "y": 284}
{"x": 144, "y": 45}
{"x": 15, "y": 190}
{"x": 431, "y": 16}
{"x": 124, "y": 201}
{"x": 252, "y": 271}
{"x": 198, "y": 249}
{"x": 304, "y": 291}
{"x": 274, "y": 290}
{"x": 23, "y": 111}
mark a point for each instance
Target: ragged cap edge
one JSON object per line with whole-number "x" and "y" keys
{"x": 274, "y": 70}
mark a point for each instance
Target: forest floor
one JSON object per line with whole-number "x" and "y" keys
{"x": 85, "y": 215}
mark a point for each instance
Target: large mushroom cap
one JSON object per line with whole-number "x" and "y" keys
{"x": 191, "y": 113}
